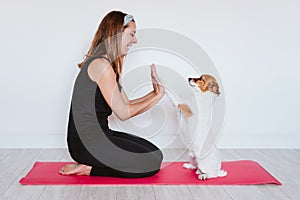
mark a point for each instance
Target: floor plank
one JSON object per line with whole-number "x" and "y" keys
{"x": 13, "y": 163}
{"x": 228, "y": 155}
{"x": 24, "y": 164}
{"x": 98, "y": 192}
{"x": 275, "y": 192}
{"x": 135, "y": 193}
{"x": 246, "y": 192}
{"x": 175, "y": 155}
{"x": 172, "y": 192}
{"x": 66, "y": 157}
{"x": 209, "y": 192}
{"x": 291, "y": 190}
{"x": 60, "y": 192}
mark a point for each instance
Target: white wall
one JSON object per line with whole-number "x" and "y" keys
{"x": 254, "y": 45}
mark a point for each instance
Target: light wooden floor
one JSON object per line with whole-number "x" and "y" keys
{"x": 283, "y": 164}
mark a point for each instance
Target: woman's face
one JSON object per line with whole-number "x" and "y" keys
{"x": 128, "y": 37}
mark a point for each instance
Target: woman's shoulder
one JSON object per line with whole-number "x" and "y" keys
{"x": 100, "y": 67}
{"x": 99, "y": 60}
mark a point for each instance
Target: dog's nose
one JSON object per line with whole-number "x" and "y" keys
{"x": 189, "y": 79}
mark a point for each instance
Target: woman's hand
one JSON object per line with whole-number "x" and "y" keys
{"x": 157, "y": 85}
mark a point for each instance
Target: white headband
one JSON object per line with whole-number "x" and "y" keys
{"x": 127, "y": 19}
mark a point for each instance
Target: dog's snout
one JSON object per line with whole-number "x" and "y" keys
{"x": 191, "y": 82}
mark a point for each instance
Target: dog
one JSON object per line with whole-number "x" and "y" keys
{"x": 201, "y": 139}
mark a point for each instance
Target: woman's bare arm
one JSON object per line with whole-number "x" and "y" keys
{"x": 107, "y": 83}
{"x": 137, "y": 100}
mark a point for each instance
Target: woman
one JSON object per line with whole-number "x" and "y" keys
{"x": 98, "y": 150}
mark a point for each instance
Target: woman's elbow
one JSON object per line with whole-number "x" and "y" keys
{"x": 126, "y": 113}
{"x": 122, "y": 116}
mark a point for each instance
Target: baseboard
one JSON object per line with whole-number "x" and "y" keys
{"x": 226, "y": 141}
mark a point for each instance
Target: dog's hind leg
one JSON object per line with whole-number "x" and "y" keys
{"x": 188, "y": 166}
{"x": 222, "y": 173}
{"x": 192, "y": 162}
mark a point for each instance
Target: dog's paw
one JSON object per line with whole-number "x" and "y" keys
{"x": 202, "y": 177}
{"x": 185, "y": 109}
{"x": 222, "y": 173}
{"x": 188, "y": 166}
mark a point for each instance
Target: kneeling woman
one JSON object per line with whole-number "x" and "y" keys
{"x": 98, "y": 150}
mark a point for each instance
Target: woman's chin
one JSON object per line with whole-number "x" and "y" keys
{"x": 125, "y": 52}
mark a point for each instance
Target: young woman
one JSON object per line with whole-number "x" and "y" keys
{"x": 98, "y": 150}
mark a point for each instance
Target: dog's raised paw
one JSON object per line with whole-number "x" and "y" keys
{"x": 188, "y": 166}
{"x": 185, "y": 109}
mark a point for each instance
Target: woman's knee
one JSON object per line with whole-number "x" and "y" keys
{"x": 160, "y": 155}
{"x": 157, "y": 157}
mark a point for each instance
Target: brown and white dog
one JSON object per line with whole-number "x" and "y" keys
{"x": 196, "y": 129}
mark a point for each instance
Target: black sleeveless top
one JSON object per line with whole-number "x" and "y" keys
{"x": 101, "y": 107}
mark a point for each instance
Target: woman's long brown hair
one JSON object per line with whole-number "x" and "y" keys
{"x": 108, "y": 40}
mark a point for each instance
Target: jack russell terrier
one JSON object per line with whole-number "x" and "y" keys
{"x": 195, "y": 128}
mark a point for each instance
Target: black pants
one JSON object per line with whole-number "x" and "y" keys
{"x": 125, "y": 141}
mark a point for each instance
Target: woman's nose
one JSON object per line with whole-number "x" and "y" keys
{"x": 134, "y": 40}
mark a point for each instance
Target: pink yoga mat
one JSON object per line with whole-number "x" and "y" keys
{"x": 244, "y": 172}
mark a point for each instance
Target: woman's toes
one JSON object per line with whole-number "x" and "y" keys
{"x": 75, "y": 169}
{"x": 67, "y": 169}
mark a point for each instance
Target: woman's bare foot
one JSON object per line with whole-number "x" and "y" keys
{"x": 75, "y": 169}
